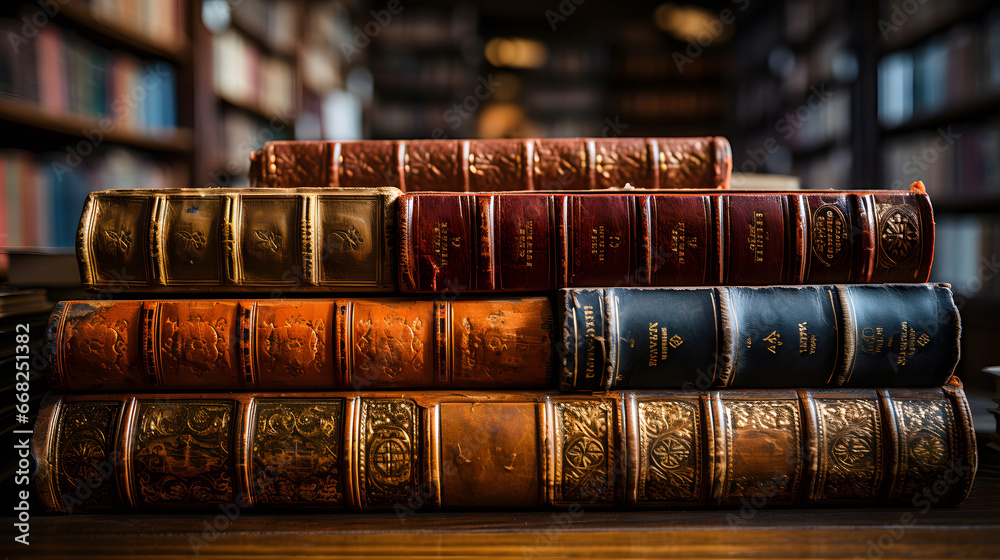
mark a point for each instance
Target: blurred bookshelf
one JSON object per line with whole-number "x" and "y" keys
{"x": 939, "y": 120}
{"x": 98, "y": 94}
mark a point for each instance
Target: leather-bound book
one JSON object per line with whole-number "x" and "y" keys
{"x": 497, "y": 164}
{"x": 664, "y": 338}
{"x": 281, "y": 240}
{"x": 311, "y": 344}
{"x": 540, "y": 241}
{"x": 861, "y": 335}
{"x": 410, "y": 451}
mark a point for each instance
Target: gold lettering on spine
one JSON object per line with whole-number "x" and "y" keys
{"x": 590, "y": 326}
{"x": 907, "y": 343}
{"x": 525, "y": 242}
{"x": 807, "y": 342}
{"x": 597, "y": 242}
{"x": 757, "y": 236}
{"x": 829, "y": 233}
{"x": 654, "y": 338}
{"x": 872, "y": 340}
{"x": 441, "y": 242}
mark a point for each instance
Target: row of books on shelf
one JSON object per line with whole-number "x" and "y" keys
{"x": 442, "y": 76}
{"x": 248, "y": 76}
{"x": 275, "y": 21}
{"x": 660, "y": 104}
{"x": 163, "y": 21}
{"x": 41, "y": 194}
{"x": 968, "y": 254}
{"x": 951, "y": 70}
{"x": 960, "y": 163}
{"x": 65, "y": 74}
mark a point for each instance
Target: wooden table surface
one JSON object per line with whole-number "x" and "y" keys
{"x": 971, "y": 530}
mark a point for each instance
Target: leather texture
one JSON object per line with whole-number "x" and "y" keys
{"x": 406, "y": 451}
{"x": 285, "y": 345}
{"x": 865, "y": 335}
{"x": 541, "y": 241}
{"x": 283, "y": 240}
{"x": 497, "y": 164}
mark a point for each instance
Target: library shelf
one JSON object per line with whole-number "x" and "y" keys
{"x": 111, "y": 32}
{"x": 12, "y": 110}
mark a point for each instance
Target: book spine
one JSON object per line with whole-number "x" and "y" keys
{"x": 543, "y": 241}
{"x": 378, "y": 451}
{"x": 497, "y": 165}
{"x": 280, "y": 345}
{"x": 228, "y": 239}
{"x": 891, "y": 335}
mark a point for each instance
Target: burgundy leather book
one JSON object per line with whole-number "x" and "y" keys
{"x": 497, "y": 164}
{"x": 451, "y": 242}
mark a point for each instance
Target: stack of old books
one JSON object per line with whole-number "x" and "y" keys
{"x": 511, "y": 343}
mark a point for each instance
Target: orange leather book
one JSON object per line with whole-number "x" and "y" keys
{"x": 497, "y": 164}
{"x": 287, "y": 345}
{"x": 431, "y": 450}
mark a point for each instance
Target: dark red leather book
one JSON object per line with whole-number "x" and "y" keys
{"x": 451, "y": 242}
{"x": 497, "y": 164}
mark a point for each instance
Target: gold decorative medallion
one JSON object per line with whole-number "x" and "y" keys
{"x": 584, "y": 451}
{"x": 927, "y": 444}
{"x": 182, "y": 453}
{"x": 670, "y": 451}
{"x": 387, "y": 455}
{"x": 86, "y": 459}
{"x": 296, "y": 453}
{"x": 850, "y": 444}
{"x": 898, "y": 235}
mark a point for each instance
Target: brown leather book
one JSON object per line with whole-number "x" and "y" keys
{"x": 540, "y": 241}
{"x": 287, "y": 345}
{"x": 410, "y": 451}
{"x": 238, "y": 239}
{"x": 867, "y": 335}
{"x": 497, "y": 164}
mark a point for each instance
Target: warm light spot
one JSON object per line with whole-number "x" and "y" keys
{"x": 516, "y": 52}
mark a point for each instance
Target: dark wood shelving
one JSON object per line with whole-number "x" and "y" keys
{"x": 984, "y": 204}
{"x": 118, "y": 35}
{"x": 29, "y": 114}
{"x": 966, "y": 111}
{"x": 968, "y": 12}
{"x": 240, "y": 24}
{"x": 249, "y": 107}
{"x": 820, "y": 148}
